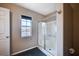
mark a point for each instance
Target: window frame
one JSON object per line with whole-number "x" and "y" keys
{"x": 29, "y": 18}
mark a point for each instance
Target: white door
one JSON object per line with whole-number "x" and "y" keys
{"x": 4, "y": 32}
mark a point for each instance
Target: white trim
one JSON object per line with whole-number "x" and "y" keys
{"x": 60, "y": 35}
{"x": 23, "y": 50}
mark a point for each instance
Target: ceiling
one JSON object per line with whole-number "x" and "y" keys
{"x": 42, "y": 8}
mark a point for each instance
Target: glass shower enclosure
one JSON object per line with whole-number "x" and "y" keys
{"x": 47, "y": 36}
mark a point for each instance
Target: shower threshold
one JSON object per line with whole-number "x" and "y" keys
{"x": 44, "y": 51}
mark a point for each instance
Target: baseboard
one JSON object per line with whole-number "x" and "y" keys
{"x": 44, "y": 51}
{"x": 23, "y": 50}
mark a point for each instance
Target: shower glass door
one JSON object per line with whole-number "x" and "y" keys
{"x": 47, "y": 36}
{"x": 50, "y": 37}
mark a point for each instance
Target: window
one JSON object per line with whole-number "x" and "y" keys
{"x": 26, "y": 26}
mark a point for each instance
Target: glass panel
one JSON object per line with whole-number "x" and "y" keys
{"x": 23, "y": 34}
{"x": 28, "y": 29}
{"x": 29, "y": 23}
{"x": 28, "y": 34}
{"x": 50, "y": 38}
{"x": 28, "y": 20}
{"x": 41, "y": 33}
{"x": 23, "y": 22}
